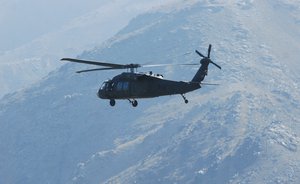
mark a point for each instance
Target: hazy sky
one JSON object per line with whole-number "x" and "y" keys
{"x": 21, "y": 21}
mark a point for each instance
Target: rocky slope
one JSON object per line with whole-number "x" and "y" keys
{"x": 244, "y": 131}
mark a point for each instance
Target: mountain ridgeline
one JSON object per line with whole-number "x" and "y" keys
{"x": 246, "y": 130}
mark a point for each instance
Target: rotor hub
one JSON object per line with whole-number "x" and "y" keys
{"x": 205, "y": 61}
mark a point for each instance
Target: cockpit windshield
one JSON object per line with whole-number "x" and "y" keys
{"x": 107, "y": 85}
{"x": 103, "y": 86}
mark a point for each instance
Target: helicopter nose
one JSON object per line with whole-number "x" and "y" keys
{"x": 100, "y": 93}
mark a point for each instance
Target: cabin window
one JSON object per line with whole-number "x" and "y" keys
{"x": 119, "y": 86}
{"x": 125, "y": 86}
{"x": 122, "y": 86}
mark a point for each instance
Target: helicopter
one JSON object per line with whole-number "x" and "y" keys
{"x": 131, "y": 85}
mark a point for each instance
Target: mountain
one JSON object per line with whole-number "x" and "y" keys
{"x": 35, "y": 34}
{"x": 246, "y": 130}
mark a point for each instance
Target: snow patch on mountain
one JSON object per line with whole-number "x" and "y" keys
{"x": 246, "y": 130}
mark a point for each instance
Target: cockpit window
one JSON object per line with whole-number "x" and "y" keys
{"x": 107, "y": 86}
{"x": 103, "y": 86}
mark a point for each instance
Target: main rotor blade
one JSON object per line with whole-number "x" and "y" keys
{"x": 199, "y": 53}
{"x": 97, "y": 69}
{"x": 159, "y": 65}
{"x": 215, "y": 64}
{"x": 112, "y": 65}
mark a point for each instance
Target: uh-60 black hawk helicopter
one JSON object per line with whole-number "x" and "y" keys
{"x": 132, "y": 85}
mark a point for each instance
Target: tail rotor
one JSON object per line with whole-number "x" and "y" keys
{"x": 207, "y": 58}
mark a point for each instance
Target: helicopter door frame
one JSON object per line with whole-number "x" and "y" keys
{"x": 122, "y": 88}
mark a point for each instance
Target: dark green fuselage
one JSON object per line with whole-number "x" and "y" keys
{"x": 134, "y": 86}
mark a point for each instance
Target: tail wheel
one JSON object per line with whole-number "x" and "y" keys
{"x": 184, "y": 98}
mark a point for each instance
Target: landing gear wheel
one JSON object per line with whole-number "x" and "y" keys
{"x": 134, "y": 103}
{"x": 112, "y": 102}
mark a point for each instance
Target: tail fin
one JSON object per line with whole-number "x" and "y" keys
{"x": 202, "y": 72}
